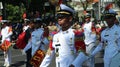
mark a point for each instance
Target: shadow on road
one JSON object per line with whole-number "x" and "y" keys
{"x": 1, "y": 53}
{"x": 18, "y": 64}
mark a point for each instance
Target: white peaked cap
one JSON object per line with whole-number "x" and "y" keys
{"x": 38, "y": 19}
{"x": 4, "y": 21}
{"x": 64, "y": 9}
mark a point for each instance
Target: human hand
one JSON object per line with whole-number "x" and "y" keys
{"x": 23, "y": 52}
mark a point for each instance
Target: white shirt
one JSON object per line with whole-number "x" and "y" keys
{"x": 63, "y": 44}
{"x": 6, "y": 33}
{"x": 89, "y": 36}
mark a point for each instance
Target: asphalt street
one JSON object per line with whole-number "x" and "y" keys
{"x": 18, "y": 59}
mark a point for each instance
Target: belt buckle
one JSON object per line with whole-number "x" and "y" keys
{"x": 57, "y": 54}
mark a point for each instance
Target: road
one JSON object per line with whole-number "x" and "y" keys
{"x": 18, "y": 59}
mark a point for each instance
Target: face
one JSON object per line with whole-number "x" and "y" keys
{"x": 64, "y": 22}
{"x": 110, "y": 21}
{"x": 32, "y": 25}
{"x": 87, "y": 19}
{"x": 37, "y": 25}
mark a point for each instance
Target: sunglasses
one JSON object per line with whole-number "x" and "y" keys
{"x": 62, "y": 16}
{"x": 108, "y": 17}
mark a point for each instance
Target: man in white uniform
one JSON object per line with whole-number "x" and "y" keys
{"x": 6, "y": 33}
{"x": 63, "y": 44}
{"x": 90, "y": 38}
{"x": 110, "y": 38}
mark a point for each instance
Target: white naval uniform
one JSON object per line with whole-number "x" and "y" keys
{"x": 110, "y": 38}
{"x": 6, "y": 34}
{"x": 90, "y": 40}
{"x": 89, "y": 37}
{"x": 35, "y": 42}
{"x": 64, "y": 48}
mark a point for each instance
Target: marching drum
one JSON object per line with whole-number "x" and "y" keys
{"x": 37, "y": 58}
{"x": 115, "y": 61}
{"x": 5, "y": 45}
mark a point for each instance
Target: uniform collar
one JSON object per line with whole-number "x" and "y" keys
{"x": 111, "y": 27}
{"x": 67, "y": 31}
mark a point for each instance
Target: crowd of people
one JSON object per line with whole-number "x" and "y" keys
{"x": 70, "y": 43}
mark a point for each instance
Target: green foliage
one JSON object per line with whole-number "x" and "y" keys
{"x": 14, "y": 13}
{"x": 29, "y": 1}
{"x": 117, "y": 2}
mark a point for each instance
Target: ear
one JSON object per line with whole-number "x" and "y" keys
{"x": 70, "y": 19}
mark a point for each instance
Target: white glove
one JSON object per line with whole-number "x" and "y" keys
{"x": 23, "y": 52}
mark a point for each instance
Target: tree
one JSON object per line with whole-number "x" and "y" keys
{"x": 85, "y": 4}
{"x": 14, "y": 12}
{"x": 13, "y": 9}
{"x": 117, "y": 2}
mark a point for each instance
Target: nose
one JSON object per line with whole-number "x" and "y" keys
{"x": 59, "y": 19}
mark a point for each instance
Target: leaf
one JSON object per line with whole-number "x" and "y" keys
{"x": 14, "y": 12}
